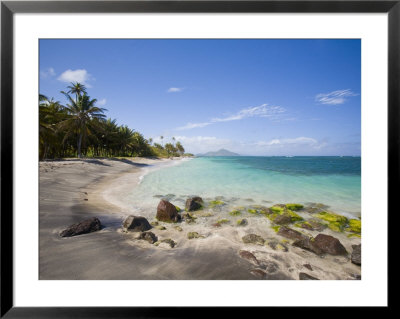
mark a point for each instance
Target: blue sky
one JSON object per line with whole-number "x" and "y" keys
{"x": 253, "y": 97}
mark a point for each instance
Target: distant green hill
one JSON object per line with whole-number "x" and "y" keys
{"x": 221, "y": 152}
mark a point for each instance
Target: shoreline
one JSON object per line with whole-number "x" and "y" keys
{"x": 80, "y": 189}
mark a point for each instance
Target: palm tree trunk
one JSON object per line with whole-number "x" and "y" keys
{"x": 79, "y": 145}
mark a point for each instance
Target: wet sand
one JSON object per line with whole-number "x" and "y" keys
{"x": 73, "y": 190}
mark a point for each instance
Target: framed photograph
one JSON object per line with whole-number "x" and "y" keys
{"x": 196, "y": 154}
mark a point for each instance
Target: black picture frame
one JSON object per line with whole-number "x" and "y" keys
{"x": 9, "y": 8}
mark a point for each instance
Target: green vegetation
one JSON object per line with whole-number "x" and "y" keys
{"x": 293, "y": 216}
{"x": 215, "y": 203}
{"x": 284, "y": 210}
{"x": 241, "y": 222}
{"x": 252, "y": 211}
{"x": 276, "y": 228}
{"x": 335, "y": 222}
{"x": 178, "y": 208}
{"x": 277, "y": 209}
{"x": 305, "y": 225}
{"x": 192, "y": 235}
{"x": 80, "y": 129}
{"x": 294, "y": 206}
{"x": 223, "y": 221}
{"x": 354, "y": 226}
{"x": 235, "y": 213}
{"x": 331, "y": 217}
{"x": 354, "y": 235}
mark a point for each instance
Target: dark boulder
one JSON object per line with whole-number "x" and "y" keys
{"x": 258, "y": 273}
{"x": 283, "y": 219}
{"x": 194, "y": 203}
{"x": 322, "y": 244}
{"x": 248, "y": 256}
{"x": 290, "y": 233}
{"x": 356, "y": 254}
{"x": 87, "y": 226}
{"x": 253, "y": 239}
{"x": 136, "y": 224}
{"x": 166, "y": 212}
{"x": 308, "y": 266}
{"x": 149, "y": 237}
{"x": 316, "y": 225}
{"x": 329, "y": 244}
{"x": 308, "y": 244}
{"x": 304, "y": 276}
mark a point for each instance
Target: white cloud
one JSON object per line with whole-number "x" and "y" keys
{"x": 264, "y": 110}
{"x": 79, "y": 75}
{"x": 335, "y": 97}
{"x": 288, "y": 146}
{"x": 204, "y": 144}
{"x": 102, "y": 102}
{"x": 279, "y": 146}
{"x": 192, "y": 125}
{"x": 174, "y": 90}
{"x": 49, "y": 72}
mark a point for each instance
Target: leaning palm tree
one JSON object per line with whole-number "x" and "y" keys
{"x": 80, "y": 115}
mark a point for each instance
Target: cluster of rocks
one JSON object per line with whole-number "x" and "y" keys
{"x": 282, "y": 215}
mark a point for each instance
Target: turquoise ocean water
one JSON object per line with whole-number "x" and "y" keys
{"x": 242, "y": 180}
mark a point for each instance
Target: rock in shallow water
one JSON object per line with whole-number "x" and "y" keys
{"x": 283, "y": 219}
{"x": 166, "y": 212}
{"x": 87, "y": 226}
{"x": 356, "y": 254}
{"x": 253, "y": 239}
{"x": 322, "y": 244}
{"x": 136, "y": 224}
{"x": 149, "y": 237}
{"x": 194, "y": 203}
{"x": 248, "y": 256}
{"x": 290, "y": 233}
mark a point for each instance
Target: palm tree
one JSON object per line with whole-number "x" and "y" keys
{"x": 81, "y": 114}
{"x": 162, "y": 137}
{"x": 50, "y": 113}
{"x": 180, "y": 147}
{"x": 76, "y": 88}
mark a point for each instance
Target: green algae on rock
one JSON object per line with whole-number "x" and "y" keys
{"x": 293, "y": 216}
{"x": 223, "y": 221}
{"x": 276, "y": 228}
{"x": 335, "y": 222}
{"x": 253, "y": 239}
{"x": 192, "y": 235}
{"x": 235, "y": 213}
{"x": 215, "y": 203}
{"x": 252, "y": 211}
{"x": 178, "y": 228}
{"x": 282, "y": 210}
{"x": 294, "y": 206}
{"x": 354, "y": 226}
{"x": 331, "y": 217}
{"x": 242, "y": 222}
{"x": 353, "y": 235}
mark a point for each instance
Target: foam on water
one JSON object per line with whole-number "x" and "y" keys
{"x": 333, "y": 181}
